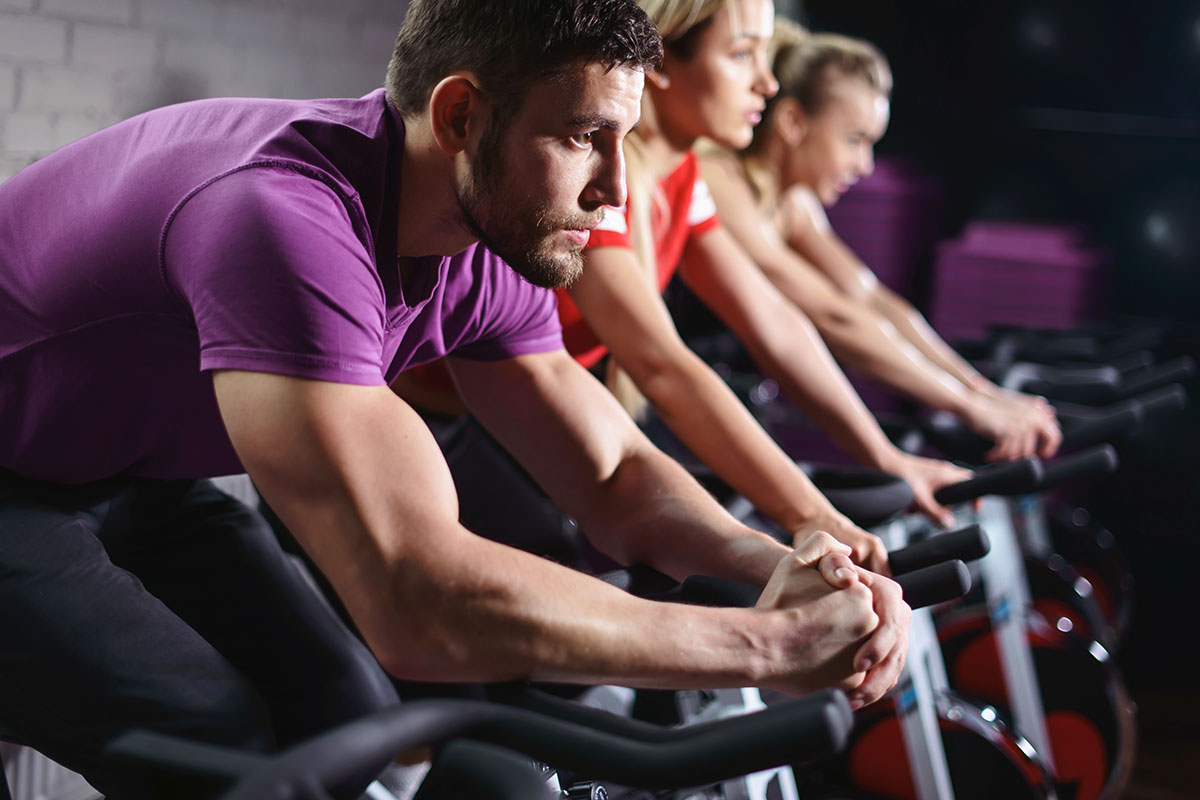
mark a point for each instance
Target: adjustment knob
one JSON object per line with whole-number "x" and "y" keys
{"x": 586, "y": 790}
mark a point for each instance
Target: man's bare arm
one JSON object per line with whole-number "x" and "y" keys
{"x": 633, "y": 501}
{"x": 359, "y": 480}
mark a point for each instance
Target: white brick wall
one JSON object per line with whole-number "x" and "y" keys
{"x": 199, "y": 18}
{"x": 114, "y": 48}
{"x": 27, "y": 38}
{"x": 8, "y": 87}
{"x": 29, "y": 133}
{"x": 71, "y": 67}
{"x": 62, "y": 88}
{"x": 319, "y": 31}
{"x": 118, "y": 11}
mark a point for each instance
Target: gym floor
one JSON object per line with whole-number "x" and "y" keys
{"x": 1153, "y": 507}
{"x": 1167, "y": 766}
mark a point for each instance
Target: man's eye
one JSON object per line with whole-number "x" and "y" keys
{"x": 583, "y": 139}
{"x": 743, "y": 54}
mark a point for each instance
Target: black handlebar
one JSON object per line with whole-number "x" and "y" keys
{"x": 867, "y": 497}
{"x": 1177, "y": 370}
{"x": 649, "y": 757}
{"x": 1107, "y": 383}
{"x": 480, "y": 771}
{"x": 1165, "y": 400}
{"x": 1014, "y": 477}
{"x": 1081, "y": 430}
{"x": 1094, "y": 462}
{"x": 1083, "y": 426}
{"x": 925, "y": 586}
{"x": 966, "y": 544}
{"x": 938, "y": 583}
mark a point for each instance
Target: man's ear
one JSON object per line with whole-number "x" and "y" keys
{"x": 457, "y": 109}
{"x": 658, "y": 78}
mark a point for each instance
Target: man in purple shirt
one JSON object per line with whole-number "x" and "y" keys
{"x": 231, "y": 285}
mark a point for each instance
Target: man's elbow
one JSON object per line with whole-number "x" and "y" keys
{"x": 424, "y": 652}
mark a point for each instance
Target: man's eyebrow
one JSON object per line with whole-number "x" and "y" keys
{"x": 598, "y": 121}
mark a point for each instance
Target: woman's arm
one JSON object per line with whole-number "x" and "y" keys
{"x": 787, "y": 347}
{"x": 899, "y": 347}
{"x": 855, "y": 333}
{"x": 810, "y": 235}
{"x": 1020, "y": 424}
{"x": 629, "y": 317}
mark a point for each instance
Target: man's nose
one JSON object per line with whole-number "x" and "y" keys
{"x": 607, "y": 187}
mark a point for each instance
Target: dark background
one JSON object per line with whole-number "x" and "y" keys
{"x": 1077, "y": 110}
{"x": 1084, "y": 112}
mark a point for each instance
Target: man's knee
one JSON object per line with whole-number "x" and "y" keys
{"x": 226, "y": 711}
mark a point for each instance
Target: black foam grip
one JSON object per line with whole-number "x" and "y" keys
{"x": 1083, "y": 427}
{"x": 1108, "y": 423}
{"x": 483, "y": 772}
{"x": 1095, "y": 462}
{"x": 1013, "y": 477}
{"x": 922, "y": 587}
{"x": 1167, "y": 400}
{"x": 965, "y": 544}
{"x": 867, "y": 497}
{"x": 1174, "y": 371}
{"x": 939, "y": 583}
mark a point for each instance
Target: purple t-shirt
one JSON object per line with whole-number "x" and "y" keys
{"x": 222, "y": 234}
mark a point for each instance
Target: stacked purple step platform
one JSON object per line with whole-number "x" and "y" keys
{"x": 1038, "y": 275}
{"x": 890, "y": 220}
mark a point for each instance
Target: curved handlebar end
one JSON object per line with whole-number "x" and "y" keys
{"x": 1014, "y": 477}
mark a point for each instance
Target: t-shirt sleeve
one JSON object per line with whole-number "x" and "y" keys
{"x": 501, "y": 315}
{"x": 702, "y": 213}
{"x": 613, "y": 230}
{"x": 276, "y": 278}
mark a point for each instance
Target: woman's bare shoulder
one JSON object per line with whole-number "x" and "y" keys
{"x": 801, "y": 212}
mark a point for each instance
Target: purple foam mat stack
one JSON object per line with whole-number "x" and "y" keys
{"x": 891, "y": 221}
{"x": 1028, "y": 274}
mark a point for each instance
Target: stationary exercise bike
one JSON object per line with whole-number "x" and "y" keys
{"x": 475, "y": 745}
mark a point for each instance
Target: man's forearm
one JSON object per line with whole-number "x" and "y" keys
{"x": 652, "y": 511}
{"x": 468, "y": 609}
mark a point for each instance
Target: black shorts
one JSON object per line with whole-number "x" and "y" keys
{"x": 165, "y": 605}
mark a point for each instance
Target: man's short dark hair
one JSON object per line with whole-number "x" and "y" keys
{"x": 508, "y": 44}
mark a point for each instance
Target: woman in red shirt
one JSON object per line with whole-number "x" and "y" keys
{"x": 714, "y": 83}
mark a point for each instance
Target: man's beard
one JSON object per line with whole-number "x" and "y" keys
{"x": 518, "y": 229}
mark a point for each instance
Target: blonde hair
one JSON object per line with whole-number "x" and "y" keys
{"x": 679, "y": 22}
{"x": 807, "y": 65}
